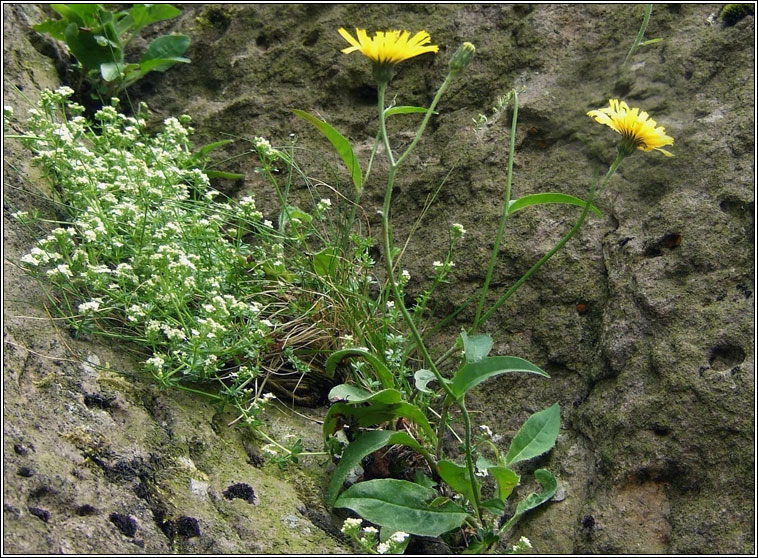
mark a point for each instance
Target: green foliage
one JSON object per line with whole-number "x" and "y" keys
{"x": 548, "y": 197}
{"x": 474, "y": 373}
{"x": 536, "y": 436}
{"x": 402, "y": 506}
{"x": 382, "y": 372}
{"x": 366, "y": 444}
{"x": 340, "y": 143}
{"x": 98, "y": 39}
{"x": 476, "y": 347}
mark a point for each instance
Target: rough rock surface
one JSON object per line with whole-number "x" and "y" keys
{"x": 644, "y": 321}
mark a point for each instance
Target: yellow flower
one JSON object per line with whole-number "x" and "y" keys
{"x": 387, "y": 48}
{"x": 636, "y": 127}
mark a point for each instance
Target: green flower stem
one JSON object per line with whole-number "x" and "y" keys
{"x": 503, "y": 218}
{"x": 640, "y": 34}
{"x": 562, "y": 242}
{"x": 399, "y": 302}
{"x": 427, "y": 116}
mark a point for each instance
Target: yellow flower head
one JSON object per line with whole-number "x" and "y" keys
{"x": 387, "y": 48}
{"x": 636, "y": 127}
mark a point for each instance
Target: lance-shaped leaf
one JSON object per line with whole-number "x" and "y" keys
{"x": 145, "y": 14}
{"x": 536, "y": 436}
{"x": 548, "y": 197}
{"x": 340, "y": 143}
{"x": 506, "y": 480}
{"x": 398, "y": 505}
{"x": 549, "y": 488}
{"x": 382, "y": 372}
{"x": 405, "y": 110}
{"x": 474, "y": 373}
{"x": 366, "y": 444}
{"x": 164, "y": 52}
{"x": 457, "y": 477}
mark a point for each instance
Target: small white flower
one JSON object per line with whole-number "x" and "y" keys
{"x": 91, "y": 306}
{"x": 399, "y": 536}
{"x": 156, "y": 363}
{"x": 30, "y": 259}
{"x": 370, "y": 530}
{"x": 64, "y": 91}
{"x": 457, "y": 230}
{"x": 390, "y": 304}
{"x": 382, "y": 548}
{"x": 526, "y": 541}
{"x": 351, "y": 526}
{"x": 436, "y": 264}
{"x": 270, "y": 449}
{"x": 63, "y": 269}
{"x": 486, "y": 430}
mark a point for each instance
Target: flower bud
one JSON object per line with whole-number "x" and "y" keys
{"x": 462, "y": 57}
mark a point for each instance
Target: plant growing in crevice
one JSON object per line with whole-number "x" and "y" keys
{"x": 98, "y": 39}
{"x": 450, "y": 496}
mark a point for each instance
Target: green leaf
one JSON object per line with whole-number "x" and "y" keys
{"x": 145, "y": 14}
{"x": 85, "y": 48}
{"x": 548, "y": 197}
{"x": 222, "y": 174}
{"x": 366, "y": 444}
{"x": 382, "y": 372}
{"x": 474, "y": 373}
{"x": 506, "y": 480}
{"x": 401, "y": 506}
{"x": 476, "y": 347}
{"x": 291, "y": 213}
{"x": 420, "y": 478}
{"x": 84, "y": 15}
{"x": 549, "y": 488}
{"x": 457, "y": 477}
{"x": 495, "y": 506}
{"x": 405, "y": 110}
{"x": 164, "y": 52}
{"x": 112, "y": 71}
{"x": 340, "y": 143}
{"x": 325, "y": 262}
{"x": 55, "y": 28}
{"x": 422, "y": 378}
{"x": 383, "y": 406}
{"x": 204, "y": 150}
{"x": 160, "y": 64}
{"x": 651, "y": 41}
{"x": 536, "y": 436}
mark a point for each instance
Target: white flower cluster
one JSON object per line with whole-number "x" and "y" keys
{"x": 145, "y": 241}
